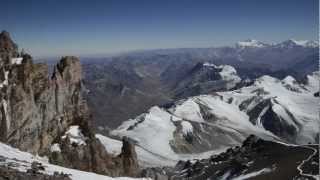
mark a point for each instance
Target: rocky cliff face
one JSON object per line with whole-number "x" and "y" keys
{"x": 49, "y": 116}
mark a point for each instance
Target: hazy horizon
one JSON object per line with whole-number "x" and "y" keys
{"x": 82, "y": 28}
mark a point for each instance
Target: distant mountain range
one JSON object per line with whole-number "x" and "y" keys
{"x": 251, "y": 43}
{"x": 156, "y": 77}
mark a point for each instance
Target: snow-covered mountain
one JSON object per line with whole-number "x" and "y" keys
{"x": 285, "y": 107}
{"x": 302, "y": 43}
{"x": 278, "y": 110}
{"x": 251, "y": 43}
{"x": 206, "y": 77}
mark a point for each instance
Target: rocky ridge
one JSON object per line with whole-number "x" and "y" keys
{"x": 254, "y": 159}
{"x": 39, "y": 114}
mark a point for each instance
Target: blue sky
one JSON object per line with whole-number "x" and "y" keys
{"x": 83, "y": 27}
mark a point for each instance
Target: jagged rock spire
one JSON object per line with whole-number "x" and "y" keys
{"x": 69, "y": 68}
{"x": 7, "y": 46}
{"x": 36, "y": 112}
{"x": 129, "y": 157}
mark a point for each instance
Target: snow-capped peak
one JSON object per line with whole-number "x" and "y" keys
{"x": 293, "y": 42}
{"x": 227, "y": 72}
{"x": 266, "y": 79}
{"x": 289, "y": 80}
{"x": 250, "y": 43}
{"x": 312, "y": 44}
{"x": 209, "y": 64}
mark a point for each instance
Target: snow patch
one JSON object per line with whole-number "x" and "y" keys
{"x": 5, "y": 109}
{"x": 253, "y": 174}
{"x": 188, "y": 110}
{"x": 209, "y": 64}
{"x": 75, "y": 135}
{"x": 259, "y": 123}
{"x": 5, "y": 81}
{"x": 186, "y": 127}
{"x": 55, "y": 148}
{"x": 16, "y": 60}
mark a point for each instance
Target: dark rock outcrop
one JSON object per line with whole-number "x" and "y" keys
{"x": 7, "y": 47}
{"x": 11, "y": 174}
{"x": 94, "y": 157}
{"x": 37, "y": 112}
{"x": 272, "y": 121}
{"x": 128, "y": 157}
{"x": 271, "y": 159}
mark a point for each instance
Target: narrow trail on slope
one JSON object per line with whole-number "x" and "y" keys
{"x": 316, "y": 177}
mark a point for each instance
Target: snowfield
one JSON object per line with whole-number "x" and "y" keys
{"x": 155, "y": 133}
{"x": 21, "y": 161}
{"x": 147, "y": 158}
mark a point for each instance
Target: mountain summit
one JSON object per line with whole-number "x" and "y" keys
{"x": 7, "y": 46}
{"x": 251, "y": 43}
{"x": 303, "y": 43}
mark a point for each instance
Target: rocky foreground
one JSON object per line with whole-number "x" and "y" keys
{"x": 255, "y": 159}
{"x": 47, "y": 115}
{"x": 12, "y": 174}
